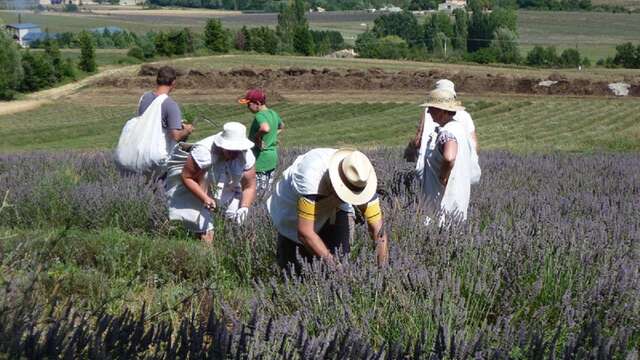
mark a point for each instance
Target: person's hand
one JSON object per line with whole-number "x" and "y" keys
{"x": 210, "y": 204}
{"x": 241, "y": 215}
{"x": 188, "y": 128}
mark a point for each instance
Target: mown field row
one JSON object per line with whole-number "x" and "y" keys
{"x": 517, "y": 124}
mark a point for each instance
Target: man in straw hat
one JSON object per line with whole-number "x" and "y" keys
{"x": 445, "y": 163}
{"x": 311, "y": 206}
{"x": 225, "y": 160}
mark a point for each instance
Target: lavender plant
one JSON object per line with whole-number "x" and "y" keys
{"x": 547, "y": 265}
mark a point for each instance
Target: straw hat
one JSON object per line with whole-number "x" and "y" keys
{"x": 446, "y": 84}
{"x": 352, "y": 176}
{"x": 443, "y": 99}
{"x": 233, "y": 137}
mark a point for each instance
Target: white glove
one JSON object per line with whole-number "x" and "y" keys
{"x": 241, "y": 215}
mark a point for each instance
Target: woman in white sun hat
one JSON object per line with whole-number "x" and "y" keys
{"x": 224, "y": 160}
{"x": 446, "y": 165}
{"x": 311, "y": 206}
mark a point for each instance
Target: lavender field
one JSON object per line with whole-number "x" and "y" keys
{"x": 547, "y": 266}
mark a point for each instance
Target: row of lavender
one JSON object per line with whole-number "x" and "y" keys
{"x": 547, "y": 263}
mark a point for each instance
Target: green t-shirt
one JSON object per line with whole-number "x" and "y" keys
{"x": 267, "y": 157}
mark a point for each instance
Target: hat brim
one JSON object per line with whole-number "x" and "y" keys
{"x": 444, "y": 106}
{"x": 244, "y": 101}
{"x": 342, "y": 190}
{"x": 239, "y": 145}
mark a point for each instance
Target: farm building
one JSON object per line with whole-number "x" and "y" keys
{"x": 24, "y": 33}
{"x": 450, "y": 5}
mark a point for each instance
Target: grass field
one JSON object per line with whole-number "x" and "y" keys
{"x": 517, "y": 124}
{"x": 594, "y": 34}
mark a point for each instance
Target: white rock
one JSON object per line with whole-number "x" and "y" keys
{"x": 547, "y": 83}
{"x": 619, "y": 89}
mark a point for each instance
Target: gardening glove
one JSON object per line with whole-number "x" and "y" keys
{"x": 241, "y": 215}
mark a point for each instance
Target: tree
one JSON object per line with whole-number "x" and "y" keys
{"x": 480, "y": 29}
{"x": 505, "y": 44}
{"x": 627, "y": 56}
{"x": 216, "y": 38}
{"x": 440, "y": 44}
{"x": 38, "y": 72}
{"x": 303, "y": 41}
{"x": 87, "y": 53}
{"x": 10, "y": 67}
{"x": 543, "y": 57}
{"x": 291, "y": 18}
{"x": 570, "y": 58}
{"x": 403, "y": 24}
{"x": 438, "y": 23}
{"x": 460, "y": 29}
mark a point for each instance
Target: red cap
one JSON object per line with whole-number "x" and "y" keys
{"x": 254, "y": 96}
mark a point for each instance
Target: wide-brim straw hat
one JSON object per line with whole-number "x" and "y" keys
{"x": 443, "y": 99}
{"x": 233, "y": 137}
{"x": 446, "y": 84}
{"x": 352, "y": 176}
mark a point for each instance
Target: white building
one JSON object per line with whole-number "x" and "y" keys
{"x": 450, "y": 5}
{"x": 20, "y": 31}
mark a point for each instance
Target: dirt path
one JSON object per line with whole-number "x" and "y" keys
{"x": 37, "y": 99}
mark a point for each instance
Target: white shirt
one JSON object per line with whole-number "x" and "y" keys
{"x": 308, "y": 175}
{"x": 227, "y": 174}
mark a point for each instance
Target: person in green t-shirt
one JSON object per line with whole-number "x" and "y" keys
{"x": 264, "y": 131}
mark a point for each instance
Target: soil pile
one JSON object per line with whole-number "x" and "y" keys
{"x": 300, "y": 79}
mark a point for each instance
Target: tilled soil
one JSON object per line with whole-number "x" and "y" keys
{"x": 290, "y": 79}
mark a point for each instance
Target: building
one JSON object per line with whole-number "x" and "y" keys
{"x": 20, "y": 31}
{"x": 450, "y": 5}
{"x": 390, "y": 9}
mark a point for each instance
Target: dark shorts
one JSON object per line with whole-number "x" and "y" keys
{"x": 336, "y": 237}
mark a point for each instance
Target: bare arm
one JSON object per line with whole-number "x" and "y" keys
{"x": 449, "y": 154}
{"x": 182, "y": 134}
{"x": 248, "y": 188}
{"x": 311, "y": 240}
{"x": 193, "y": 179}
{"x": 264, "y": 129}
{"x": 379, "y": 236}
{"x": 280, "y": 126}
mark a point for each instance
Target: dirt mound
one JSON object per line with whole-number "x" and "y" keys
{"x": 300, "y": 79}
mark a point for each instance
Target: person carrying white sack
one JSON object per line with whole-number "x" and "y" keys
{"x": 225, "y": 160}
{"x": 445, "y": 161}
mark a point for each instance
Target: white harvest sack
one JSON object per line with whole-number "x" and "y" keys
{"x": 143, "y": 144}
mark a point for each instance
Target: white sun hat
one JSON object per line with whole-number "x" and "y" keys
{"x": 443, "y": 99}
{"x": 233, "y": 137}
{"x": 446, "y": 84}
{"x": 352, "y": 176}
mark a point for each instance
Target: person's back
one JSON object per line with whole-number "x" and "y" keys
{"x": 171, "y": 116}
{"x": 267, "y": 154}
{"x": 264, "y": 131}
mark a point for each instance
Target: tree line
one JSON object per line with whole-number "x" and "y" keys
{"x": 28, "y": 71}
{"x": 341, "y": 5}
{"x": 482, "y": 37}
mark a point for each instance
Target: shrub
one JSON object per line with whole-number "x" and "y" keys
{"x": 10, "y": 67}
{"x": 216, "y": 38}
{"x": 136, "y": 52}
{"x": 505, "y": 46}
{"x": 542, "y": 57}
{"x": 87, "y": 53}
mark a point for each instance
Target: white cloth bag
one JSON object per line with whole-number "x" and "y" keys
{"x": 143, "y": 144}
{"x": 454, "y": 199}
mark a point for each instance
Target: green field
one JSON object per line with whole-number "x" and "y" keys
{"x": 518, "y": 124}
{"x": 595, "y": 34}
